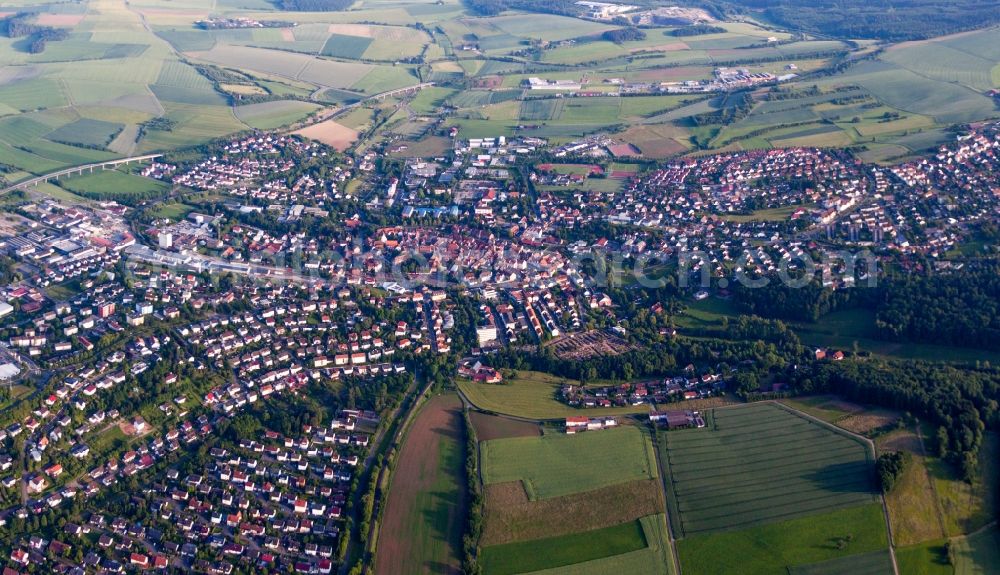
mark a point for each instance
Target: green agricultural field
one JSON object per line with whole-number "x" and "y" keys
{"x": 274, "y": 114}
{"x": 556, "y": 464}
{"x": 874, "y": 563}
{"x": 548, "y": 109}
{"x": 531, "y": 394}
{"x": 384, "y": 78}
{"x": 538, "y": 554}
{"x": 760, "y": 464}
{"x": 86, "y": 132}
{"x": 653, "y": 560}
{"x": 803, "y": 545}
{"x": 913, "y": 92}
{"x": 429, "y": 99}
{"x": 106, "y": 184}
{"x": 343, "y": 46}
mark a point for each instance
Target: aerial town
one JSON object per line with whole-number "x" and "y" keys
{"x": 208, "y": 389}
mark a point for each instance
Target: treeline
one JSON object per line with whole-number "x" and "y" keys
{"x": 890, "y": 467}
{"x": 697, "y": 30}
{"x": 658, "y": 359}
{"x": 892, "y": 20}
{"x": 314, "y": 5}
{"x": 475, "y": 500}
{"x": 494, "y": 7}
{"x": 20, "y": 25}
{"x": 735, "y": 107}
{"x": 620, "y": 35}
{"x": 961, "y": 402}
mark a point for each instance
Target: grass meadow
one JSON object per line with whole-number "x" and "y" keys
{"x": 532, "y": 395}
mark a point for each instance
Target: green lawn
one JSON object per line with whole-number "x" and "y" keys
{"x": 767, "y": 215}
{"x": 526, "y": 556}
{"x": 533, "y": 395}
{"x": 556, "y": 464}
{"x": 771, "y": 549}
{"x": 174, "y": 211}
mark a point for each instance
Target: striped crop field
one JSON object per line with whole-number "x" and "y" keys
{"x": 760, "y": 464}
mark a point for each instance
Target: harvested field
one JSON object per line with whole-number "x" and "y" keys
{"x": 352, "y": 30}
{"x": 330, "y": 133}
{"x": 495, "y": 427}
{"x": 901, "y": 441}
{"x": 511, "y": 516}
{"x": 867, "y": 422}
{"x": 655, "y": 140}
{"x": 669, "y": 47}
{"x": 588, "y": 344}
{"x": 424, "y": 516}
{"x": 487, "y": 82}
{"x": 59, "y": 19}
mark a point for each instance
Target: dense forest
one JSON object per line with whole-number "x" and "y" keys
{"x": 697, "y": 30}
{"x": 620, "y": 35}
{"x": 494, "y": 7}
{"x": 892, "y": 20}
{"x": 956, "y": 308}
{"x": 21, "y": 25}
{"x": 951, "y": 309}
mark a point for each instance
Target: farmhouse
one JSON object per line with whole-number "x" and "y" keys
{"x": 580, "y": 423}
{"x": 677, "y": 419}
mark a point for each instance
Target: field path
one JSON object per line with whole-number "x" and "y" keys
{"x": 422, "y": 527}
{"x": 664, "y": 478}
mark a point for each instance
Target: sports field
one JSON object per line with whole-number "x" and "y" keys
{"x": 759, "y": 464}
{"x": 557, "y": 464}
